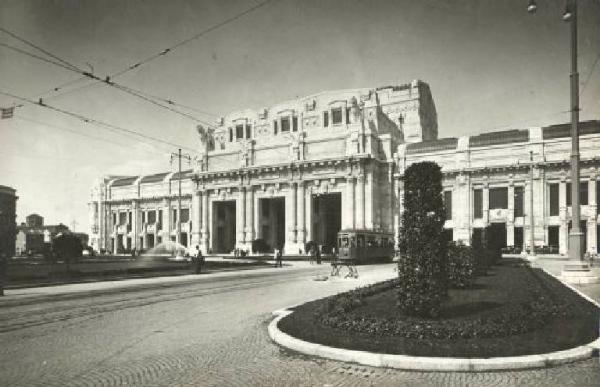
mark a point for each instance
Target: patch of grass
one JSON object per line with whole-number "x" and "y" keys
{"x": 512, "y": 311}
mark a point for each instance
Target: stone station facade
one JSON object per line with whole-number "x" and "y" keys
{"x": 304, "y": 169}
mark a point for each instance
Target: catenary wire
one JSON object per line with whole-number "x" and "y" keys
{"x": 66, "y": 63}
{"x": 108, "y": 82}
{"x": 163, "y": 52}
{"x": 126, "y": 146}
{"x": 97, "y": 122}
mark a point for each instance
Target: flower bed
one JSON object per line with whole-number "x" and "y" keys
{"x": 514, "y": 311}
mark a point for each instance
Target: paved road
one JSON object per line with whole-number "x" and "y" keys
{"x": 204, "y": 331}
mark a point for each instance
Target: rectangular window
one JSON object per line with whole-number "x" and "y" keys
{"x": 248, "y": 131}
{"x": 174, "y": 216}
{"x": 518, "y": 237}
{"x": 498, "y": 198}
{"x": 478, "y": 203}
{"x": 143, "y": 216}
{"x": 347, "y": 115}
{"x": 519, "y": 201}
{"x": 160, "y": 218}
{"x": 448, "y": 204}
{"x": 295, "y": 124}
{"x": 336, "y": 116}
{"x": 285, "y": 124}
{"x": 129, "y": 214}
{"x": 554, "y": 199}
{"x": 275, "y": 126}
{"x": 152, "y": 217}
{"x": 325, "y": 119}
{"x": 114, "y": 218}
{"x": 185, "y": 215}
{"x": 553, "y": 236}
{"x": 230, "y": 135}
{"x": 583, "y": 193}
{"x": 239, "y": 131}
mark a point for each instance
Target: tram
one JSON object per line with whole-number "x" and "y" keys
{"x": 365, "y": 246}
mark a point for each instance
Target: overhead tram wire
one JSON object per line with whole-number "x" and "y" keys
{"x": 155, "y": 56}
{"x": 190, "y": 39}
{"x": 590, "y": 74}
{"x": 64, "y": 62}
{"x": 99, "y": 123}
{"x": 121, "y": 144}
{"x": 108, "y": 82}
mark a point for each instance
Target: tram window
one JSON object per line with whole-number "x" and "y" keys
{"x": 360, "y": 241}
{"x": 352, "y": 242}
{"x": 371, "y": 242}
{"x": 344, "y": 242}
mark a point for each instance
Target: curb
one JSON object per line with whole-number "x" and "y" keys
{"x": 421, "y": 363}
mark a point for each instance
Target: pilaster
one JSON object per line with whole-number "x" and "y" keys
{"x": 196, "y": 221}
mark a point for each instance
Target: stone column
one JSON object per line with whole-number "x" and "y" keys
{"x": 167, "y": 221}
{"x": 134, "y": 224}
{"x": 196, "y": 221}
{"x": 510, "y": 221}
{"x": 308, "y": 211}
{"x": 205, "y": 226}
{"x": 116, "y": 233}
{"x": 293, "y": 212}
{"x": 563, "y": 247}
{"x": 256, "y": 223}
{"x": 250, "y": 231}
{"x": 301, "y": 227}
{"x": 399, "y": 189}
{"x": 240, "y": 206}
{"x": 527, "y": 219}
{"x": 369, "y": 201}
{"x": 360, "y": 202}
{"x": 463, "y": 208}
{"x": 592, "y": 229}
{"x": 349, "y": 207}
{"x": 486, "y": 204}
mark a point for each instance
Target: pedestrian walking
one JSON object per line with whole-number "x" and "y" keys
{"x": 198, "y": 260}
{"x": 318, "y": 255}
{"x": 279, "y": 258}
{"x": 311, "y": 258}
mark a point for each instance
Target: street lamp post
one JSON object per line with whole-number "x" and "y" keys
{"x": 575, "y": 235}
{"x": 576, "y": 271}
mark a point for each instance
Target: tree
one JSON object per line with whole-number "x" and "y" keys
{"x": 422, "y": 243}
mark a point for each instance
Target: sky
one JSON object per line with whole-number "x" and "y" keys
{"x": 490, "y": 66}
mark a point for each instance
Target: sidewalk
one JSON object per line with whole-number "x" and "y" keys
{"x": 554, "y": 266}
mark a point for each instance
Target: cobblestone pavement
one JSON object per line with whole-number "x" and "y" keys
{"x": 208, "y": 333}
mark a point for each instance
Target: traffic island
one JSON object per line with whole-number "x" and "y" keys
{"x": 517, "y": 317}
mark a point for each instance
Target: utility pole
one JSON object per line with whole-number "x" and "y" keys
{"x": 179, "y": 155}
{"x": 531, "y": 221}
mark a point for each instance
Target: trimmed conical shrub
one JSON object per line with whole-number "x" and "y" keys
{"x": 422, "y": 243}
